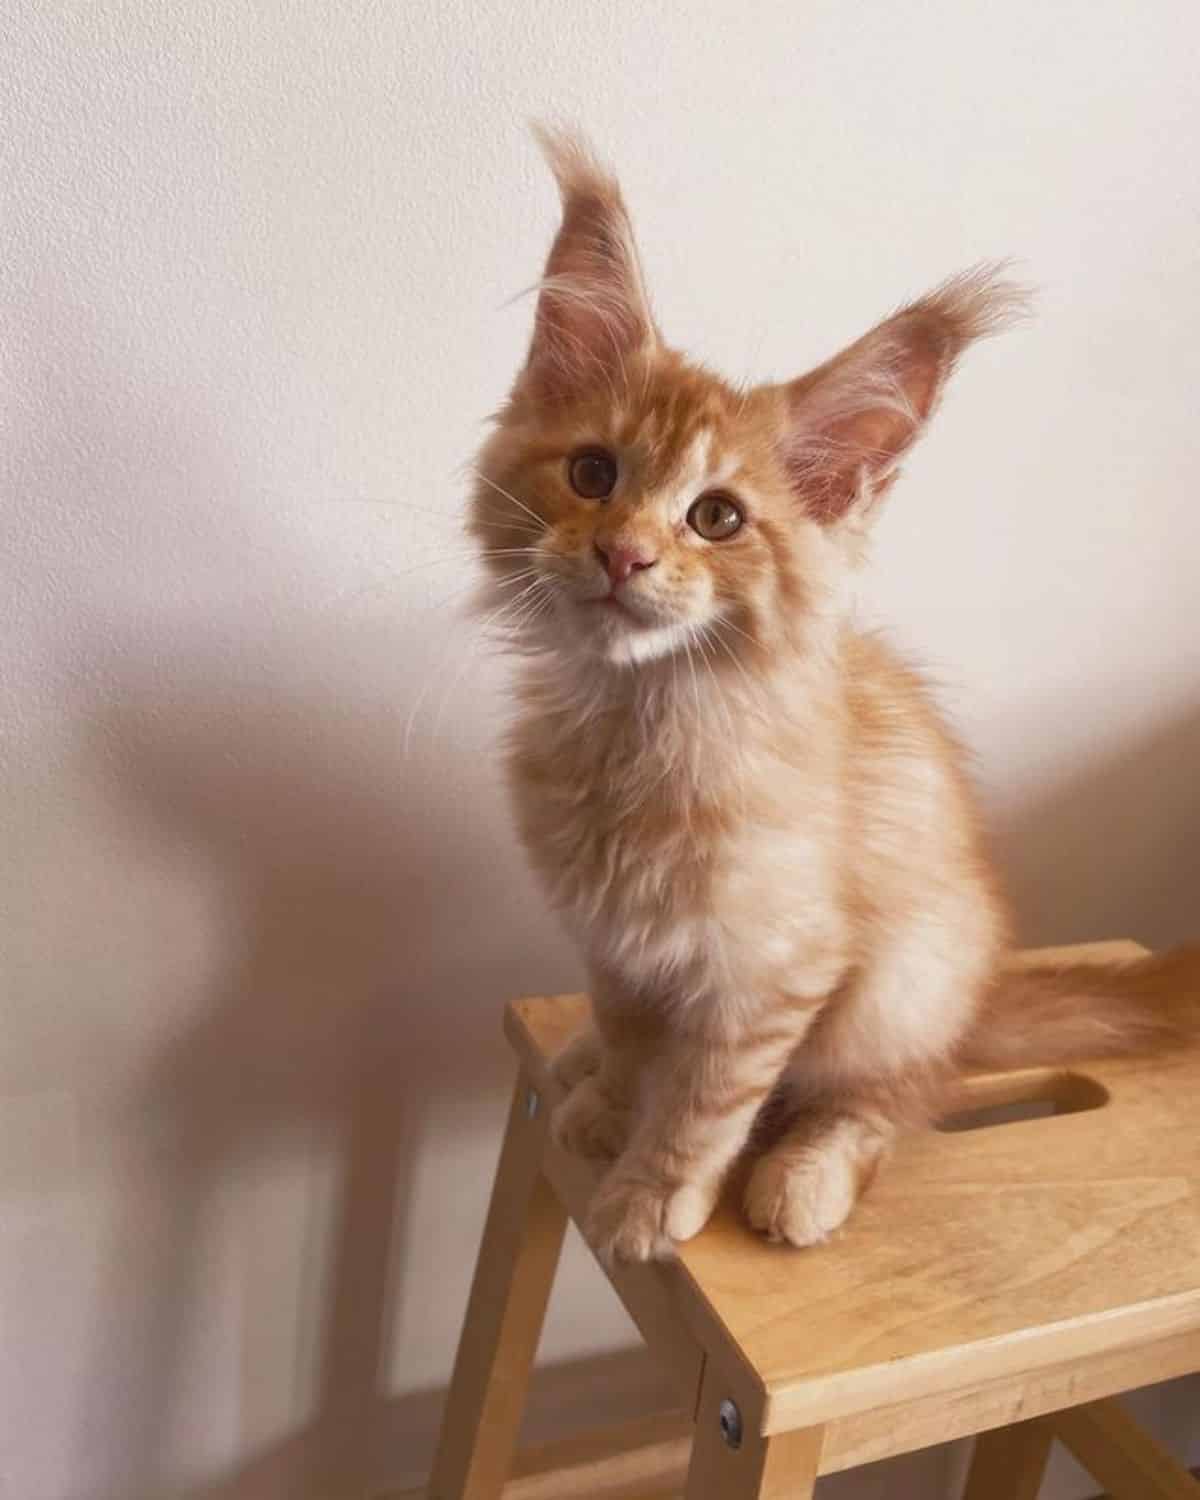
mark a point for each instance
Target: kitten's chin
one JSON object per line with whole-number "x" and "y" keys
{"x": 628, "y": 643}
{"x": 639, "y": 644}
{"x": 613, "y": 638}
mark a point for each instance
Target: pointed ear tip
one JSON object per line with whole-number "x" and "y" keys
{"x": 571, "y": 158}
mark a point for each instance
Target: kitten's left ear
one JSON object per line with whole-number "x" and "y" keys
{"x": 592, "y": 310}
{"x": 848, "y": 423}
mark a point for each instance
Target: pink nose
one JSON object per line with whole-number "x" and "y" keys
{"x": 620, "y": 562}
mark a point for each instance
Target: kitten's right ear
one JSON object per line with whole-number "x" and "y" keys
{"x": 592, "y": 310}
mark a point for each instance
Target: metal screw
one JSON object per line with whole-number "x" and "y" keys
{"x": 731, "y": 1424}
{"x": 532, "y": 1104}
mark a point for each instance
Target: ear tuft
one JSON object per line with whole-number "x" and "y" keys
{"x": 975, "y": 304}
{"x": 576, "y": 167}
{"x": 849, "y": 422}
{"x": 592, "y": 307}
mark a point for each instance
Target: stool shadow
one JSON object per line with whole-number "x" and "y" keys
{"x": 346, "y": 893}
{"x": 345, "y": 899}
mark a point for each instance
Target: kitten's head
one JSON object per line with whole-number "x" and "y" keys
{"x": 631, "y": 503}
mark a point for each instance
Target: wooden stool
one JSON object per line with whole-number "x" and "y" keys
{"x": 992, "y": 1281}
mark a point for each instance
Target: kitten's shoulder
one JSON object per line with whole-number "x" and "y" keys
{"x": 891, "y": 700}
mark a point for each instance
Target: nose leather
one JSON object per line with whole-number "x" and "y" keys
{"x": 620, "y": 562}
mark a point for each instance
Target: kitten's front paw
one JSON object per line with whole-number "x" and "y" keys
{"x": 630, "y": 1219}
{"x": 626, "y": 1221}
{"x": 587, "y": 1123}
{"x": 801, "y": 1201}
{"x": 578, "y": 1060}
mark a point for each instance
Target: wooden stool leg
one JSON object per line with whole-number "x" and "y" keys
{"x": 1009, "y": 1462}
{"x": 1125, "y": 1459}
{"x": 513, "y": 1277}
{"x": 783, "y": 1467}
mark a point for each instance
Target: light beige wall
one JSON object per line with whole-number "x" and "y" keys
{"x": 260, "y": 900}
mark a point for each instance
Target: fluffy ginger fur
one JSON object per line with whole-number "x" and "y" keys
{"x": 752, "y": 816}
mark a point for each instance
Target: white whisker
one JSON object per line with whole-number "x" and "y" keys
{"x": 471, "y": 659}
{"x": 728, "y": 623}
{"x": 715, "y": 631}
{"x": 501, "y": 610}
{"x": 500, "y": 490}
{"x": 734, "y": 743}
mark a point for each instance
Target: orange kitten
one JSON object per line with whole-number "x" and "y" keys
{"x": 751, "y": 815}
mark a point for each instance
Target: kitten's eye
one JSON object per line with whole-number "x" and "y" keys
{"x": 593, "y": 474}
{"x": 715, "y": 517}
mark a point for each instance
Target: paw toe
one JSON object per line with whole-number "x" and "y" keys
{"x": 801, "y": 1201}
{"x": 626, "y": 1222}
{"x": 688, "y": 1211}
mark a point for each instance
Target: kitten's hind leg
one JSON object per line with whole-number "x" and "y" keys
{"x": 804, "y": 1186}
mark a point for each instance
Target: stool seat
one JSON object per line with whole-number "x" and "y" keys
{"x": 994, "y": 1271}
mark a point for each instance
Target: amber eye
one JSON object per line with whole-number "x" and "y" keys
{"x": 715, "y": 517}
{"x": 593, "y": 474}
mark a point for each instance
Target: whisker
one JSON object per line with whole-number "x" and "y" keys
{"x": 529, "y": 610}
{"x": 734, "y": 739}
{"x": 510, "y": 607}
{"x": 732, "y": 654}
{"x": 392, "y": 502}
{"x": 352, "y": 596}
{"x": 469, "y": 660}
{"x": 726, "y": 621}
{"x": 511, "y": 522}
{"x": 393, "y": 575}
{"x": 430, "y": 681}
{"x": 509, "y": 581}
{"x": 687, "y": 646}
{"x": 680, "y": 783}
{"x": 500, "y": 490}
{"x": 540, "y": 605}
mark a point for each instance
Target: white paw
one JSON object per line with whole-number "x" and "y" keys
{"x": 802, "y": 1198}
{"x": 689, "y": 1210}
{"x": 626, "y": 1220}
{"x": 632, "y": 1220}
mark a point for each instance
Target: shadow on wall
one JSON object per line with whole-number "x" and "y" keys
{"x": 1113, "y": 850}
{"x": 320, "y": 1027}
{"x": 357, "y": 901}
